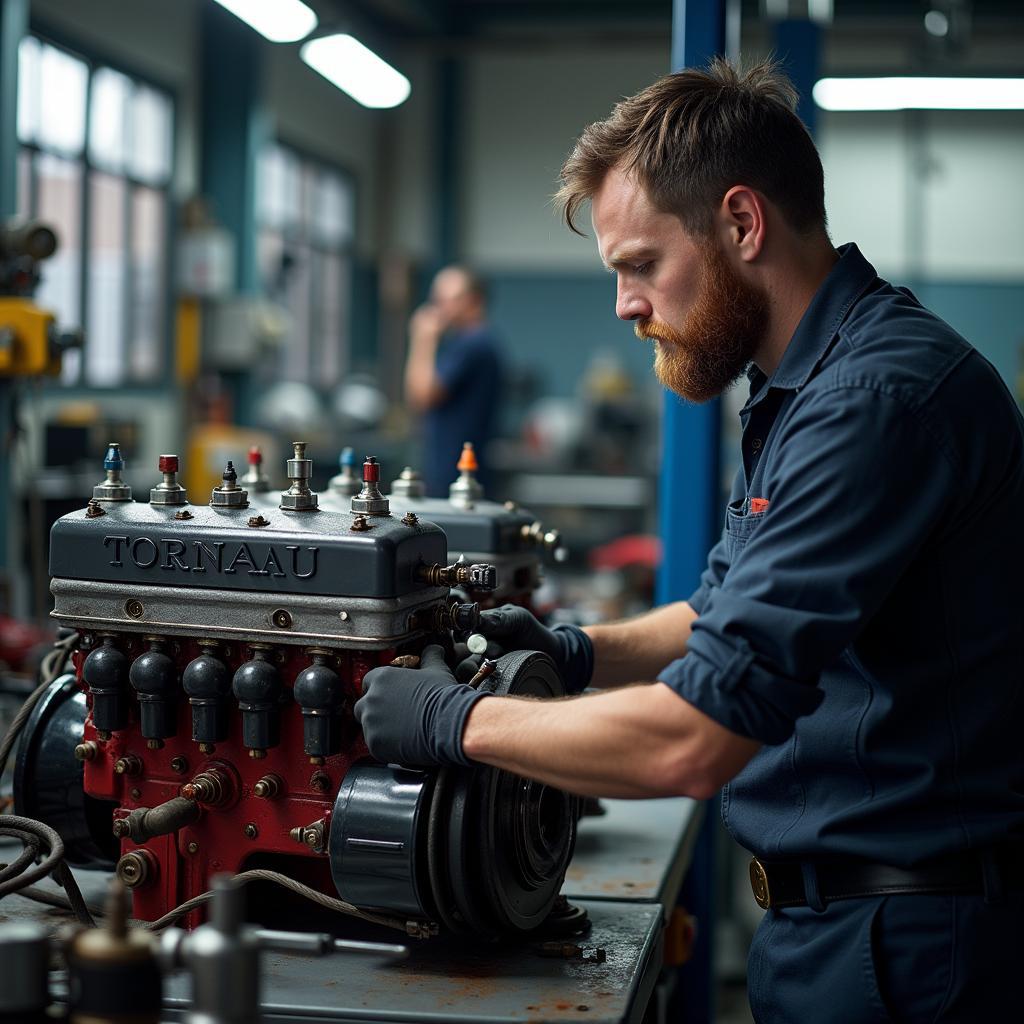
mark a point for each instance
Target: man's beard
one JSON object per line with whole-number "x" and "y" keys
{"x": 717, "y": 340}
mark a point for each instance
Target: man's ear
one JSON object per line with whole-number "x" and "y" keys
{"x": 742, "y": 214}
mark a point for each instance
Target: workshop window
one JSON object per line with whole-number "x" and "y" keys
{"x": 95, "y": 162}
{"x": 305, "y": 211}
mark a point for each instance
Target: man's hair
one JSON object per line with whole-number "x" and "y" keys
{"x": 693, "y": 135}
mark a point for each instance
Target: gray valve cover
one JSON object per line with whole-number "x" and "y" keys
{"x": 297, "y": 553}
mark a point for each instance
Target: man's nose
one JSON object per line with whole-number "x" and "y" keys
{"x": 630, "y": 304}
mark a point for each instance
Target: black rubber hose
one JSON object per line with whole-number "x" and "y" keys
{"x": 16, "y": 827}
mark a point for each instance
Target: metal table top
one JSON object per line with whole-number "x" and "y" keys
{"x": 638, "y": 851}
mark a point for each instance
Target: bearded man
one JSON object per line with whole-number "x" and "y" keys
{"x": 851, "y": 664}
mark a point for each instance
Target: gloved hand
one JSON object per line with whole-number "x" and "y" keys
{"x": 416, "y": 716}
{"x": 567, "y": 646}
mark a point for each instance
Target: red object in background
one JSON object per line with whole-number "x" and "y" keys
{"x": 20, "y": 642}
{"x": 758, "y": 505}
{"x": 641, "y": 549}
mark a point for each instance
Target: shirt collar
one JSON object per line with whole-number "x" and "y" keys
{"x": 813, "y": 335}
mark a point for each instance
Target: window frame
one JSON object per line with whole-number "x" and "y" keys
{"x": 95, "y": 59}
{"x": 309, "y": 159}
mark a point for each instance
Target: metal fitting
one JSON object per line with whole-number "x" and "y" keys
{"x": 86, "y": 751}
{"x": 411, "y": 519}
{"x": 320, "y": 782}
{"x": 255, "y": 479}
{"x": 128, "y": 764}
{"x": 298, "y": 497}
{"x": 267, "y": 788}
{"x": 369, "y": 501}
{"x": 94, "y": 509}
{"x": 183, "y": 514}
{"x": 479, "y": 576}
{"x": 360, "y": 524}
{"x": 466, "y": 491}
{"x": 251, "y": 831}
{"x": 408, "y": 485}
{"x": 148, "y": 822}
{"x": 112, "y": 488}
{"x": 208, "y": 787}
{"x": 229, "y": 494}
{"x": 154, "y": 744}
{"x": 136, "y": 868}
{"x": 168, "y": 491}
{"x": 311, "y": 836}
{"x": 179, "y": 765}
{"x": 257, "y": 521}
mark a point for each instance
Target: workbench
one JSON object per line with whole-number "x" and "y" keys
{"x": 628, "y": 867}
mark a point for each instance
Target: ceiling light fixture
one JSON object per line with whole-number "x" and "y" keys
{"x": 280, "y": 21}
{"x": 919, "y": 93}
{"x": 357, "y": 70}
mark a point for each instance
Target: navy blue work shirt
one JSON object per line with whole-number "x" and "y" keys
{"x": 469, "y": 367}
{"x": 863, "y": 613}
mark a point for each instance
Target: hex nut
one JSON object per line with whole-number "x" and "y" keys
{"x": 251, "y": 831}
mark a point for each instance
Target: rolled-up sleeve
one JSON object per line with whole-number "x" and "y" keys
{"x": 857, "y": 480}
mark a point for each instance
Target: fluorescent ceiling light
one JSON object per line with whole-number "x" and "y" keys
{"x": 357, "y": 70}
{"x": 280, "y": 21}
{"x": 920, "y": 93}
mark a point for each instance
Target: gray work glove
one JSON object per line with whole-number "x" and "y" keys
{"x": 567, "y": 646}
{"x": 416, "y": 716}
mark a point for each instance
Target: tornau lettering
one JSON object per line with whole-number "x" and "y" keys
{"x": 172, "y": 555}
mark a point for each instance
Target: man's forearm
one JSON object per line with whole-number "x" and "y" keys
{"x": 637, "y": 650}
{"x": 423, "y": 389}
{"x": 643, "y": 741}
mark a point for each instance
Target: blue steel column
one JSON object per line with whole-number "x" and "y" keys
{"x": 13, "y": 28}
{"x": 691, "y": 515}
{"x": 233, "y": 129}
{"x": 798, "y": 47}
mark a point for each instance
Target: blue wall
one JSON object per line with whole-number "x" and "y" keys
{"x": 989, "y": 316}
{"x": 554, "y": 323}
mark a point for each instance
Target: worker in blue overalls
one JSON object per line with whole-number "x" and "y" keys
{"x": 851, "y": 666}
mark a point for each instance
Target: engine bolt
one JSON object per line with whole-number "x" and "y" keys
{"x": 155, "y": 744}
{"x": 183, "y": 514}
{"x": 94, "y": 509}
{"x": 267, "y": 788}
{"x": 129, "y": 764}
{"x": 410, "y": 519}
{"x": 179, "y": 765}
{"x": 206, "y": 748}
{"x": 206, "y": 788}
{"x": 251, "y": 831}
{"x": 120, "y": 828}
{"x": 135, "y": 792}
{"x": 193, "y": 847}
{"x": 134, "y": 608}
{"x": 86, "y": 751}
{"x": 320, "y": 781}
{"x": 258, "y": 521}
{"x": 282, "y": 619}
{"x": 312, "y": 839}
{"x": 360, "y": 524}
{"x": 133, "y": 869}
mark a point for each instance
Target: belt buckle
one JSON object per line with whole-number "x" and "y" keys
{"x": 759, "y": 884}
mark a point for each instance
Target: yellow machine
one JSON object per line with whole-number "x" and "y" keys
{"x": 30, "y": 344}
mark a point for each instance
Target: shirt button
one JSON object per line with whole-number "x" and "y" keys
{"x": 756, "y": 443}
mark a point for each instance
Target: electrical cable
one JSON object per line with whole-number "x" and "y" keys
{"x": 416, "y": 929}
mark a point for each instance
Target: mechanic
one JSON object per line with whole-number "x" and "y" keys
{"x": 453, "y": 375}
{"x": 851, "y": 664}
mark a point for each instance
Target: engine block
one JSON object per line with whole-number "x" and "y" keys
{"x": 221, "y": 650}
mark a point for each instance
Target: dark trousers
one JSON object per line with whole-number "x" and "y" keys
{"x": 907, "y": 959}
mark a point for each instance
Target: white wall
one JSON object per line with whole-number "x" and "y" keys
{"x": 524, "y": 112}
{"x": 936, "y": 193}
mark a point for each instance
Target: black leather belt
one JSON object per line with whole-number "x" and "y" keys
{"x": 781, "y": 883}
